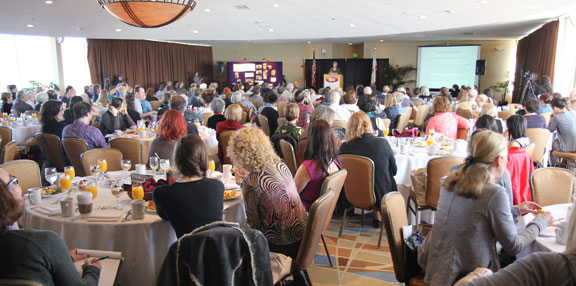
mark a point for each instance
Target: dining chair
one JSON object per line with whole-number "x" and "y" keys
{"x": 289, "y": 156}
{"x": 339, "y": 123}
{"x": 462, "y": 133}
{"x": 27, "y": 172}
{"x": 402, "y": 122}
{"x": 435, "y": 170}
{"x": 130, "y": 148}
{"x": 530, "y": 149}
{"x": 51, "y": 148}
{"x": 505, "y": 114}
{"x": 6, "y": 134}
{"x": 538, "y": 136}
{"x": 359, "y": 185}
{"x": 466, "y": 113}
{"x": 111, "y": 155}
{"x": 547, "y": 116}
{"x": 316, "y": 223}
{"x": 74, "y": 147}
{"x": 410, "y": 112}
{"x": 264, "y": 124}
{"x": 566, "y": 157}
{"x": 334, "y": 182}
{"x": 552, "y": 186}
{"x": 421, "y": 115}
{"x": 31, "y": 112}
{"x": 393, "y": 219}
{"x": 224, "y": 141}
{"x": 244, "y": 117}
{"x": 281, "y": 106}
{"x": 9, "y": 151}
{"x": 281, "y": 121}
{"x": 155, "y": 104}
{"x": 206, "y": 116}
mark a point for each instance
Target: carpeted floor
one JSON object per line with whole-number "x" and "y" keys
{"x": 356, "y": 258}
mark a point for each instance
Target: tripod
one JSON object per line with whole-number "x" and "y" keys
{"x": 529, "y": 86}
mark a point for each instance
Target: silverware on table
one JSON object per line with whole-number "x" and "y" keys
{"x": 127, "y": 215}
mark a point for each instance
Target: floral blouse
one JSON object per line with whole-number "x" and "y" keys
{"x": 273, "y": 205}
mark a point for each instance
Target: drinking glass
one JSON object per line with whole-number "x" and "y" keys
{"x": 211, "y": 166}
{"x": 66, "y": 182}
{"x": 165, "y": 165}
{"x": 95, "y": 170}
{"x": 137, "y": 192}
{"x": 103, "y": 167}
{"x": 386, "y": 131}
{"x": 69, "y": 170}
{"x": 126, "y": 165}
{"x": 117, "y": 192}
{"x": 51, "y": 175}
{"x": 154, "y": 162}
{"x": 92, "y": 188}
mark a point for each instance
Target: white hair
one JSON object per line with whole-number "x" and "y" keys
{"x": 236, "y": 97}
{"x": 424, "y": 90}
{"x": 42, "y": 97}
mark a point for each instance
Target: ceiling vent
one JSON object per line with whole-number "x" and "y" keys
{"x": 242, "y": 7}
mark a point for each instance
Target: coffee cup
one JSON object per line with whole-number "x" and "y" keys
{"x": 561, "y": 236}
{"x": 35, "y": 195}
{"x": 84, "y": 203}
{"x": 143, "y": 134}
{"x": 118, "y": 133}
{"x": 404, "y": 149}
{"x": 67, "y": 206}
{"x": 432, "y": 150}
{"x": 227, "y": 168}
{"x": 138, "y": 209}
{"x": 140, "y": 169}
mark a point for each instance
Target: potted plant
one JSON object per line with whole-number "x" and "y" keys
{"x": 397, "y": 75}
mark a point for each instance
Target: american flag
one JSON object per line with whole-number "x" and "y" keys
{"x": 314, "y": 69}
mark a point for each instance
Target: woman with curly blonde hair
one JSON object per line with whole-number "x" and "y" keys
{"x": 272, "y": 202}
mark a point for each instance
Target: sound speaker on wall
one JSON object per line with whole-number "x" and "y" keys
{"x": 220, "y": 68}
{"x": 480, "y": 67}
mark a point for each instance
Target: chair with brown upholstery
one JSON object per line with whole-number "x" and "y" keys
{"x": 339, "y": 123}
{"x": 112, "y": 156}
{"x": 155, "y": 104}
{"x": 466, "y": 113}
{"x": 281, "y": 121}
{"x": 206, "y": 116}
{"x": 359, "y": 185}
{"x": 74, "y": 147}
{"x": 280, "y": 107}
{"x": 547, "y": 116}
{"x": 538, "y": 136}
{"x": 562, "y": 159}
{"x": 462, "y": 133}
{"x": 264, "y": 124}
{"x": 334, "y": 182}
{"x": 6, "y": 134}
{"x": 130, "y": 148}
{"x": 393, "y": 219}
{"x": 289, "y": 156}
{"x": 421, "y": 115}
{"x": 51, "y": 148}
{"x": 223, "y": 141}
{"x": 9, "y": 151}
{"x": 402, "y": 122}
{"x": 505, "y": 114}
{"x": 530, "y": 149}
{"x": 31, "y": 112}
{"x": 552, "y": 186}
{"x": 435, "y": 170}
{"x": 27, "y": 172}
{"x": 245, "y": 117}
{"x": 317, "y": 221}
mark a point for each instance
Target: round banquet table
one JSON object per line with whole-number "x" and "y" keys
{"x": 208, "y": 136}
{"x": 143, "y": 243}
{"x": 145, "y": 142}
{"x": 546, "y": 241}
{"x": 21, "y": 133}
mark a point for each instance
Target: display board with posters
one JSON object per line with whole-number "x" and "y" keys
{"x": 260, "y": 72}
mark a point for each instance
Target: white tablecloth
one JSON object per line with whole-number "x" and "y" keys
{"x": 143, "y": 243}
{"x": 544, "y": 242}
{"x": 21, "y": 133}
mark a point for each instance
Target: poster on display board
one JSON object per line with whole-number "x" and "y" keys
{"x": 260, "y": 72}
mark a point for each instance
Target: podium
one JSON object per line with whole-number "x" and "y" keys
{"x": 333, "y": 81}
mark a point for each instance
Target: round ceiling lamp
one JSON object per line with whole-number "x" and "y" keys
{"x": 148, "y": 13}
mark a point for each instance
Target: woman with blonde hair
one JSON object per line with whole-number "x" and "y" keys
{"x": 444, "y": 121}
{"x": 233, "y": 116}
{"x": 482, "y": 99}
{"x": 272, "y": 202}
{"x": 473, "y": 214}
{"x": 361, "y": 141}
{"x": 492, "y": 110}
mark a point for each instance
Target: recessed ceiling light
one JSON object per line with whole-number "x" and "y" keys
{"x": 381, "y": 41}
{"x": 195, "y": 31}
{"x": 276, "y": 5}
{"x": 270, "y": 30}
{"x": 308, "y": 42}
{"x": 422, "y": 16}
{"x": 30, "y": 26}
{"x": 118, "y": 30}
{"x": 207, "y": 10}
{"x": 349, "y": 44}
{"x": 483, "y": 1}
{"x": 48, "y": 2}
{"x": 352, "y": 25}
{"x": 450, "y": 11}
{"x": 417, "y": 35}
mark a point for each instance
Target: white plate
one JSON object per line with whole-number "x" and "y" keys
{"x": 238, "y": 191}
{"x": 549, "y": 231}
{"x": 55, "y": 195}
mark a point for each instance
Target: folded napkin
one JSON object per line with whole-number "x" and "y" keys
{"x": 215, "y": 175}
{"x": 229, "y": 186}
{"x": 115, "y": 174}
{"x": 49, "y": 210}
{"x": 106, "y": 216}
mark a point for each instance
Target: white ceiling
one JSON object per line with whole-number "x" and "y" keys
{"x": 295, "y": 20}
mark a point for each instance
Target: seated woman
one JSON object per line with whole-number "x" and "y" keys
{"x": 271, "y": 199}
{"x": 350, "y": 101}
{"x": 492, "y": 110}
{"x": 392, "y": 111}
{"x": 474, "y": 213}
{"x": 320, "y": 161}
{"x": 520, "y": 163}
{"x": 194, "y": 200}
{"x": 68, "y": 113}
{"x": 533, "y": 119}
{"x": 361, "y": 141}
{"x": 482, "y": 99}
{"x": 545, "y": 103}
{"x": 6, "y": 102}
{"x": 38, "y": 255}
{"x": 290, "y": 129}
{"x": 41, "y": 97}
{"x": 131, "y": 108}
{"x": 115, "y": 118}
{"x": 369, "y": 105}
{"x": 232, "y": 123}
{"x": 172, "y": 127}
{"x": 444, "y": 121}
{"x": 540, "y": 268}
{"x": 217, "y": 107}
{"x": 322, "y": 112}
{"x": 52, "y": 117}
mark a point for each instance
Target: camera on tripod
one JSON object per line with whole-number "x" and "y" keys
{"x": 528, "y": 74}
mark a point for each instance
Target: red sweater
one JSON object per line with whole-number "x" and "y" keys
{"x": 520, "y": 166}
{"x": 223, "y": 126}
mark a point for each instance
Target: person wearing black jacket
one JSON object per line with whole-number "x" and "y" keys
{"x": 51, "y": 117}
{"x": 116, "y": 118}
{"x": 270, "y": 97}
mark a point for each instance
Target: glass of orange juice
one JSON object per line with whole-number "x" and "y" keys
{"x": 103, "y": 165}
{"x": 386, "y": 132}
{"x": 137, "y": 192}
{"x": 211, "y": 166}
{"x": 66, "y": 182}
{"x": 69, "y": 170}
{"x": 4, "y": 115}
{"x": 431, "y": 132}
{"x": 93, "y": 189}
{"x": 430, "y": 141}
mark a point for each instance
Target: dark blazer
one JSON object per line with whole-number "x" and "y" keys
{"x": 380, "y": 152}
{"x": 109, "y": 123}
{"x": 392, "y": 113}
{"x": 272, "y": 116}
{"x": 54, "y": 127}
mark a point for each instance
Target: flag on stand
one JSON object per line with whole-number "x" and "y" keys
{"x": 314, "y": 68}
{"x": 374, "y": 68}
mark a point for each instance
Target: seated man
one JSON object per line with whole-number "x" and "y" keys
{"x": 115, "y": 118}
{"x": 82, "y": 129}
{"x": 178, "y": 102}
{"x": 564, "y": 122}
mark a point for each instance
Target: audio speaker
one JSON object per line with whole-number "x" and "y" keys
{"x": 220, "y": 68}
{"x": 480, "y": 67}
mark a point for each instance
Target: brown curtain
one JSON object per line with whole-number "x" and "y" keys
{"x": 148, "y": 63}
{"x": 536, "y": 53}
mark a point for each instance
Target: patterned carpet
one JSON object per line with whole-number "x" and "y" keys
{"x": 356, "y": 258}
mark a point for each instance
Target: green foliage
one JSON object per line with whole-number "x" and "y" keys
{"x": 396, "y": 75}
{"x": 52, "y": 85}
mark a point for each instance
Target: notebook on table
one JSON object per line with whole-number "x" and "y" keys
{"x": 110, "y": 266}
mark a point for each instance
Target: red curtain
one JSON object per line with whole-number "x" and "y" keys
{"x": 148, "y": 63}
{"x": 536, "y": 53}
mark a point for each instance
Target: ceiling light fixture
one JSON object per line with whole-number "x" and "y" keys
{"x": 422, "y": 16}
{"x": 118, "y": 30}
{"x": 270, "y": 30}
{"x": 308, "y": 42}
{"x": 483, "y": 1}
{"x": 207, "y": 10}
{"x": 148, "y": 13}
{"x": 349, "y": 44}
{"x": 30, "y": 26}
{"x": 48, "y": 2}
{"x": 276, "y": 5}
{"x": 195, "y": 31}
{"x": 381, "y": 41}
{"x": 352, "y": 25}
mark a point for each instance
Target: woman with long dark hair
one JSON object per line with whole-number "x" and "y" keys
{"x": 319, "y": 162}
{"x": 52, "y": 117}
